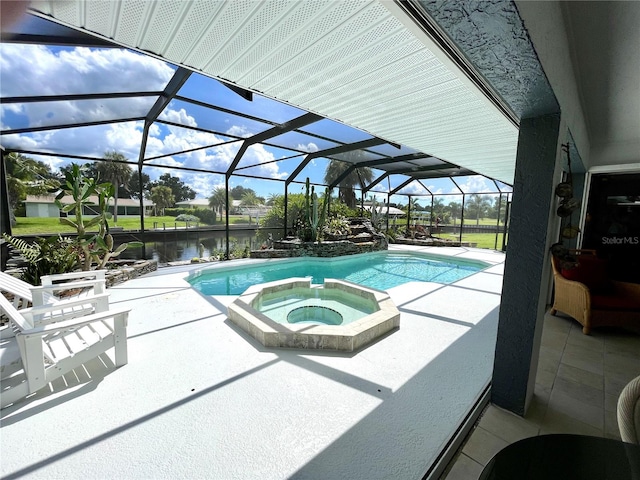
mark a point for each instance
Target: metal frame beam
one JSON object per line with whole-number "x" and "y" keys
{"x": 426, "y": 168}
{"x": 375, "y": 182}
{"x": 169, "y": 92}
{"x": 198, "y": 129}
{"x": 76, "y": 97}
{"x": 305, "y": 161}
{"x": 223, "y": 110}
{"x": 204, "y": 147}
{"x": 344, "y": 175}
{"x": 56, "y": 154}
{"x": 400, "y": 158}
{"x": 71, "y": 125}
{"x": 348, "y": 147}
{"x": 401, "y": 186}
{"x": 298, "y": 122}
{"x": 246, "y": 94}
{"x": 58, "y": 40}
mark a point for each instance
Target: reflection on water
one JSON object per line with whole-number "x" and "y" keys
{"x": 181, "y": 245}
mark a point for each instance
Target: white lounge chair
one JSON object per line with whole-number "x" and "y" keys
{"x": 51, "y": 350}
{"x": 90, "y": 283}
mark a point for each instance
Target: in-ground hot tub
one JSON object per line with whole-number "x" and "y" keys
{"x": 293, "y": 313}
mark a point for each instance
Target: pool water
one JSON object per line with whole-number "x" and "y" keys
{"x": 380, "y": 270}
{"x": 315, "y": 306}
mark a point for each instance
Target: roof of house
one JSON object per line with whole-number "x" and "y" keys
{"x": 393, "y": 211}
{"x": 196, "y": 202}
{"x": 67, "y": 199}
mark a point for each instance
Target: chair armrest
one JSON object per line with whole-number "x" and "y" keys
{"x": 68, "y": 286}
{"x": 39, "y": 294}
{"x": 627, "y": 289}
{"x": 571, "y": 291}
{"x": 74, "y": 323}
{"x": 49, "y": 279}
{"x": 64, "y": 304}
{"x": 571, "y": 284}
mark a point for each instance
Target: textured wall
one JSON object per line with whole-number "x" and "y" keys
{"x": 492, "y": 36}
{"x": 526, "y": 272}
{"x": 546, "y": 28}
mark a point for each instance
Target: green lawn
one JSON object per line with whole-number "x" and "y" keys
{"x": 469, "y": 222}
{"x": 483, "y": 240}
{"x": 35, "y": 226}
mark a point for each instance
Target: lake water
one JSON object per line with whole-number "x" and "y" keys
{"x": 170, "y": 248}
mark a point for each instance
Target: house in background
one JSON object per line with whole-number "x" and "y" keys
{"x": 44, "y": 206}
{"x": 195, "y": 203}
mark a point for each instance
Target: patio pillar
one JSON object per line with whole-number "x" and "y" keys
{"x": 532, "y": 231}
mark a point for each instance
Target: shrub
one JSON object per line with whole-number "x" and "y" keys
{"x": 46, "y": 256}
{"x": 339, "y": 209}
{"x": 205, "y": 215}
{"x": 184, "y": 217}
{"x": 274, "y": 218}
{"x": 174, "y": 212}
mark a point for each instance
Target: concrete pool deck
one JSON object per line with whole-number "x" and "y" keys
{"x": 199, "y": 398}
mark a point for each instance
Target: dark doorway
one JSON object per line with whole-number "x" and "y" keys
{"x": 612, "y": 225}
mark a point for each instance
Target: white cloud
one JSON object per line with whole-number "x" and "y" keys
{"x": 414, "y": 188}
{"x": 309, "y": 147}
{"x": 239, "y": 131}
{"x": 54, "y": 162}
{"x": 35, "y": 70}
{"x": 88, "y": 141}
{"x": 179, "y": 116}
{"x": 476, "y": 184}
{"x": 29, "y": 70}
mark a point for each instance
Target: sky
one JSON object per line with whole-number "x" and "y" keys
{"x": 35, "y": 70}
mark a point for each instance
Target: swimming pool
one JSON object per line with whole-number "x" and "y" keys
{"x": 380, "y": 270}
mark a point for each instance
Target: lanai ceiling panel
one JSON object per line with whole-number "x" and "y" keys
{"x": 360, "y": 62}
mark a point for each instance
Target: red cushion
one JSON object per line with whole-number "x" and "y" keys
{"x": 615, "y": 302}
{"x": 592, "y": 271}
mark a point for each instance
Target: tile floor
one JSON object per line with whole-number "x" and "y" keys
{"x": 578, "y": 383}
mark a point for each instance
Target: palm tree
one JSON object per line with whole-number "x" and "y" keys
{"x": 437, "y": 209}
{"x": 272, "y": 198}
{"x": 218, "y": 200}
{"x": 112, "y": 170}
{"x": 162, "y": 197}
{"x": 478, "y": 204}
{"x": 454, "y": 210}
{"x": 26, "y": 176}
{"x": 358, "y": 177}
{"x": 250, "y": 199}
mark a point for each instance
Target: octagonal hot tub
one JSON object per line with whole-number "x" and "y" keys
{"x": 293, "y": 313}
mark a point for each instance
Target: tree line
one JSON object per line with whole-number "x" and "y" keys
{"x": 27, "y": 176}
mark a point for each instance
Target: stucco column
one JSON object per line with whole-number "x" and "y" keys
{"x": 532, "y": 230}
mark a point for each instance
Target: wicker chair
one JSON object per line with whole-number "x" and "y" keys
{"x": 597, "y": 302}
